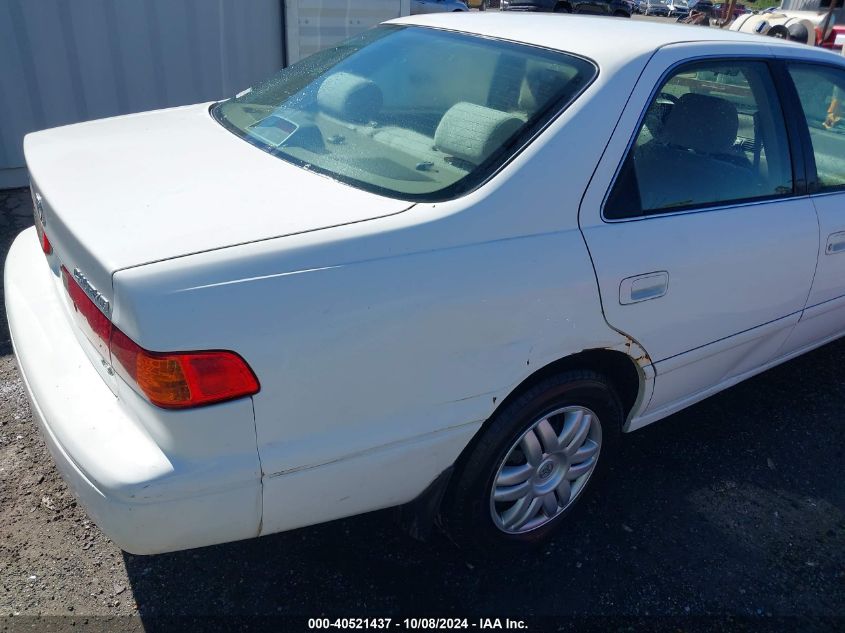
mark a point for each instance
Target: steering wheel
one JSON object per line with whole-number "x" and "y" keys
{"x": 668, "y": 97}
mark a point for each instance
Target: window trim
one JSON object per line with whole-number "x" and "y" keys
{"x": 798, "y": 134}
{"x": 795, "y": 144}
{"x": 813, "y": 186}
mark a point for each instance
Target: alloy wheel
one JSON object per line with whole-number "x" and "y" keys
{"x": 545, "y": 470}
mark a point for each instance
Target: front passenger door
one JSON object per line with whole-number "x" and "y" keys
{"x": 703, "y": 242}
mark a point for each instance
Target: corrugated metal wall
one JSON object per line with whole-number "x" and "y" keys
{"x": 313, "y": 25}
{"x": 63, "y": 61}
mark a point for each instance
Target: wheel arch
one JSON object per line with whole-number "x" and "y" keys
{"x": 618, "y": 367}
{"x": 623, "y": 372}
{"x": 625, "y": 376}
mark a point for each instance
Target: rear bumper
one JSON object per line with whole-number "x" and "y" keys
{"x": 134, "y": 473}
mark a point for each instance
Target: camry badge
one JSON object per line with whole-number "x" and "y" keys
{"x": 95, "y": 295}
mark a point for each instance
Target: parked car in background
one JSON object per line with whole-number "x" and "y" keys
{"x": 348, "y": 289}
{"x": 437, "y": 6}
{"x": 618, "y": 8}
{"x": 704, "y": 6}
{"x": 657, "y": 7}
{"x": 678, "y": 8}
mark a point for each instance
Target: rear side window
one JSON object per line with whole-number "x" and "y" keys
{"x": 822, "y": 91}
{"x": 713, "y": 135}
{"x": 409, "y": 112}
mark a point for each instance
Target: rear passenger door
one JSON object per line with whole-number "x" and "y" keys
{"x": 701, "y": 233}
{"x": 821, "y": 91}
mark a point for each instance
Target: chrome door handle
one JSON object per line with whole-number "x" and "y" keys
{"x": 835, "y": 243}
{"x": 643, "y": 287}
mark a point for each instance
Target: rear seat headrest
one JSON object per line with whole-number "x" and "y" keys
{"x": 472, "y": 132}
{"x": 702, "y": 123}
{"x": 350, "y": 97}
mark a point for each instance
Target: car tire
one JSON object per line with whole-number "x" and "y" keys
{"x": 562, "y": 9}
{"x": 568, "y": 403}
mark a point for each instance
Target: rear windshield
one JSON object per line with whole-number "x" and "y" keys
{"x": 408, "y": 112}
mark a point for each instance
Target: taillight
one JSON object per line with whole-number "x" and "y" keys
{"x": 38, "y": 214}
{"x": 97, "y": 321}
{"x": 182, "y": 379}
{"x": 172, "y": 380}
{"x": 42, "y": 237}
{"x": 45, "y": 243}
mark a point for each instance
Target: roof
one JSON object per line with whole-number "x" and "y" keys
{"x": 603, "y": 39}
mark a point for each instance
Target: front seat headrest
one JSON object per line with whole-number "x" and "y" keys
{"x": 350, "y": 97}
{"x": 702, "y": 123}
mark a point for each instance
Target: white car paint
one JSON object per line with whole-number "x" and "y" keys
{"x": 136, "y": 470}
{"x": 103, "y": 181}
{"x": 734, "y": 292}
{"x": 383, "y": 333}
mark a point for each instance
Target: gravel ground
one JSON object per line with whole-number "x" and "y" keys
{"x": 733, "y": 508}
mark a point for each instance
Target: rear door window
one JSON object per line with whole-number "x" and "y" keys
{"x": 822, "y": 91}
{"x": 713, "y": 135}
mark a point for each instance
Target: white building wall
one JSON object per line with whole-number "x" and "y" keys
{"x": 63, "y": 61}
{"x": 313, "y": 25}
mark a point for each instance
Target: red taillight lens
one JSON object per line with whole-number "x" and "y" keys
{"x": 97, "y": 321}
{"x": 176, "y": 380}
{"x": 183, "y": 379}
{"x": 43, "y": 239}
{"x": 38, "y": 217}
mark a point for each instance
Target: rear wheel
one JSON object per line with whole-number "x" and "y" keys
{"x": 534, "y": 463}
{"x": 563, "y": 8}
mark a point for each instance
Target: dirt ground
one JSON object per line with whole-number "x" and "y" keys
{"x": 733, "y": 509}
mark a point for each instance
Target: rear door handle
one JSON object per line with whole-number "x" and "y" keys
{"x": 835, "y": 243}
{"x": 643, "y": 287}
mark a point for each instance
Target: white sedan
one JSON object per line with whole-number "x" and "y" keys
{"x": 444, "y": 265}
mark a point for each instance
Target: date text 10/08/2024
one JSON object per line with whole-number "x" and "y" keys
{"x": 410, "y": 624}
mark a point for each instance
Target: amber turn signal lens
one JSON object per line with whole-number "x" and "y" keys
{"x": 172, "y": 380}
{"x": 184, "y": 379}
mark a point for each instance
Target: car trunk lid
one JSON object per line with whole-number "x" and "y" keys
{"x": 131, "y": 190}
